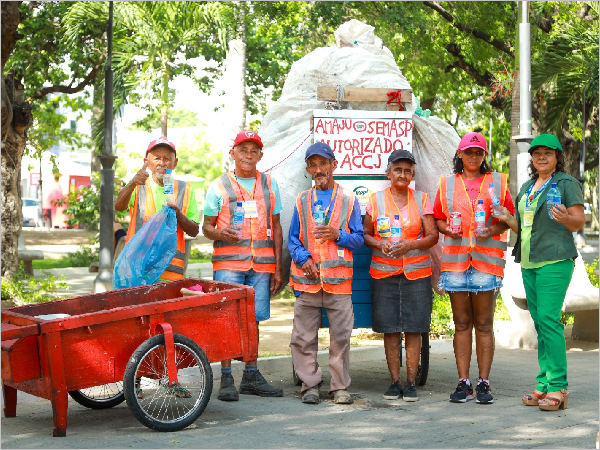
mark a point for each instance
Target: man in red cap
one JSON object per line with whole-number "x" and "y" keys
{"x": 149, "y": 197}
{"x": 250, "y": 254}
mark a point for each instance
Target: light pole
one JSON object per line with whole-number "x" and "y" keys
{"x": 103, "y": 281}
{"x": 524, "y": 137}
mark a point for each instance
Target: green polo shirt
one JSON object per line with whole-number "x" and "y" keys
{"x": 158, "y": 193}
{"x": 549, "y": 241}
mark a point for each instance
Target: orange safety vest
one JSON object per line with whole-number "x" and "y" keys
{"x": 144, "y": 208}
{"x": 333, "y": 261}
{"x": 414, "y": 263}
{"x": 458, "y": 254}
{"x": 256, "y": 249}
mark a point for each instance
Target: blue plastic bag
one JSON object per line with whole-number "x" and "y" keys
{"x": 146, "y": 256}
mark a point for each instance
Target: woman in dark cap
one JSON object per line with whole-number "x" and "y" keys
{"x": 546, "y": 251}
{"x": 401, "y": 291}
{"x": 473, "y": 259}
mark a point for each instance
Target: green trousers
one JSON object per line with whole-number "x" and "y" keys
{"x": 546, "y": 288}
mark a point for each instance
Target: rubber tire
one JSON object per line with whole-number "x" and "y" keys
{"x": 423, "y": 370}
{"x": 130, "y": 390}
{"x": 91, "y": 403}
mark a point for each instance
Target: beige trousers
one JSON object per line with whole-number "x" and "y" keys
{"x": 304, "y": 345}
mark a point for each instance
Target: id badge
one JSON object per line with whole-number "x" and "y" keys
{"x": 340, "y": 252}
{"x": 383, "y": 226}
{"x": 250, "y": 210}
{"x": 268, "y": 232}
{"x": 528, "y": 217}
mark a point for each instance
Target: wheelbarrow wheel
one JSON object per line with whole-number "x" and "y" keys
{"x": 100, "y": 397}
{"x": 146, "y": 384}
{"x": 423, "y": 369}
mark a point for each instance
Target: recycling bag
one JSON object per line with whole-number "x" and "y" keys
{"x": 146, "y": 256}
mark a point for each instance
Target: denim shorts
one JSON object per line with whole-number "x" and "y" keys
{"x": 471, "y": 280}
{"x": 260, "y": 281}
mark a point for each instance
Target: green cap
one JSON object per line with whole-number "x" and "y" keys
{"x": 545, "y": 140}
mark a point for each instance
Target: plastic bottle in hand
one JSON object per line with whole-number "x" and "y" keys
{"x": 318, "y": 213}
{"x": 238, "y": 219}
{"x": 479, "y": 217}
{"x": 396, "y": 230}
{"x": 168, "y": 181}
{"x": 553, "y": 198}
{"x": 496, "y": 208}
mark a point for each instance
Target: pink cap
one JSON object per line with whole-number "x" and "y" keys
{"x": 248, "y": 136}
{"x": 161, "y": 141}
{"x": 473, "y": 139}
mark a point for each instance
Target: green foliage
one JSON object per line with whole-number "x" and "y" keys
{"x": 501, "y": 312}
{"x": 590, "y": 269}
{"x": 24, "y": 288}
{"x": 82, "y": 206}
{"x": 178, "y": 118}
{"x": 441, "y": 316}
{"x": 197, "y": 254}
{"x": 83, "y": 256}
{"x": 198, "y": 158}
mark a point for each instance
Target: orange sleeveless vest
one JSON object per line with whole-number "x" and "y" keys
{"x": 256, "y": 249}
{"x": 144, "y": 208}
{"x": 333, "y": 261}
{"x": 414, "y": 263}
{"x": 488, "y": 256}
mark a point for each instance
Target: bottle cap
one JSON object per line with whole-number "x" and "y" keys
{"x": 491, "y": 184}
{"x": 168, "y": 170}
{"x": 553, "y": 185}
{"x": 480, "y": 202}
{"x": 239, "y": 203}
{"x": 397, "y": 217}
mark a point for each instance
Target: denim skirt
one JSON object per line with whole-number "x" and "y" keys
{"x": 399, "y": 304}
{"x": 471, "y": 280}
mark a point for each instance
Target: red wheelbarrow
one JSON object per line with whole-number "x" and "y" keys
{"x": 149, "y": 346}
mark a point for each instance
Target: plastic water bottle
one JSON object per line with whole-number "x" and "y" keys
{"x": 168, "y": 181}
{"x": 396, "y": 230}
{"x": 479, "y": 217}
{"x": 238, "y": 219}
{"x": 553, "y": 198}
{"x": 496, "y": 208}
{"x": 319, "y": 214}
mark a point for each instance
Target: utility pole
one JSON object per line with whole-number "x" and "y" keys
{"x": 524, "y": 137}
{"x": 103, "y": 281}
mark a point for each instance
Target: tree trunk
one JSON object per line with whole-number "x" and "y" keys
{"x": 164, "y": 114}
{"x": 235, "y": 73}
{"x": 16, "y": 119}
{"x": 97, "y": 124}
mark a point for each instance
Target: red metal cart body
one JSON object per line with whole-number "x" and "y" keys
{"x": 93, "y": 346}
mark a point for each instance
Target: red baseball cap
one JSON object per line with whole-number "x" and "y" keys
{"x": 161, "y": 141}
{"x": 473, "y": 139}
{"x": 248, "y": 136}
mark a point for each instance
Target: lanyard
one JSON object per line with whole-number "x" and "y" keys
{"x": 407, "y": 204}
{"x": 331, "y": 202}
{"x": 242, "y": 188}
{"x": 529, "y": 198}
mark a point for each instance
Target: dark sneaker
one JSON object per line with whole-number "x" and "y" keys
{"x": 463, "y": 393}
{"x": 483, "y": 392}
{"x": 311, "y": 396}
{"x": 227, "y": 391}
{"x": 394, "y": 391}
{"x": 410, "y": 392}
{"x": 342, "y": 397}
{"x": 254, "y": 383}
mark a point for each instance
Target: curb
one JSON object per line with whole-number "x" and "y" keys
{"x": 274, "y": 364}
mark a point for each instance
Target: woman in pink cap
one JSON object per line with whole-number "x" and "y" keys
{"x": 473, "y": 258}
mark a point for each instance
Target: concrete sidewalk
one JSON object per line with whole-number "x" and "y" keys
{"x": 371, "y": 422}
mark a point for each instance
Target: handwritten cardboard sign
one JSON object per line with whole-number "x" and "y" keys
{"x": 362, "y": 140}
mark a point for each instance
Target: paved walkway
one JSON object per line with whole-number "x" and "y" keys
{"x": 371, "y": 422}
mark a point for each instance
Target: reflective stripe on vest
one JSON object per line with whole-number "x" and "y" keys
{"x": 258, "y": 251}
{"x": 144, "y": 207}
{"x": 458, "y": 254}
{"x": 334, "y": 262}
{"x": 415, "y": 263}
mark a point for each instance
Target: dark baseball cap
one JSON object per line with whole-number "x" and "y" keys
{"x": 321, "y": 149}
{"x": 545, "y": 140}
{"x": 397, "y": 155}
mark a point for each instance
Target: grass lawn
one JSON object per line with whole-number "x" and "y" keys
{"x": 65, "y": 261}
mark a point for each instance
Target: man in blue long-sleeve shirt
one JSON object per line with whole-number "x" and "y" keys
{"x": 321, "y": 274}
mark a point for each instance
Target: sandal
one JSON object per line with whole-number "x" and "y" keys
{"x": 180, "y": 392}
{"x": 139, "y": 393}
{"x": 553, "y": 403}
{"x": 533, "y": 398}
